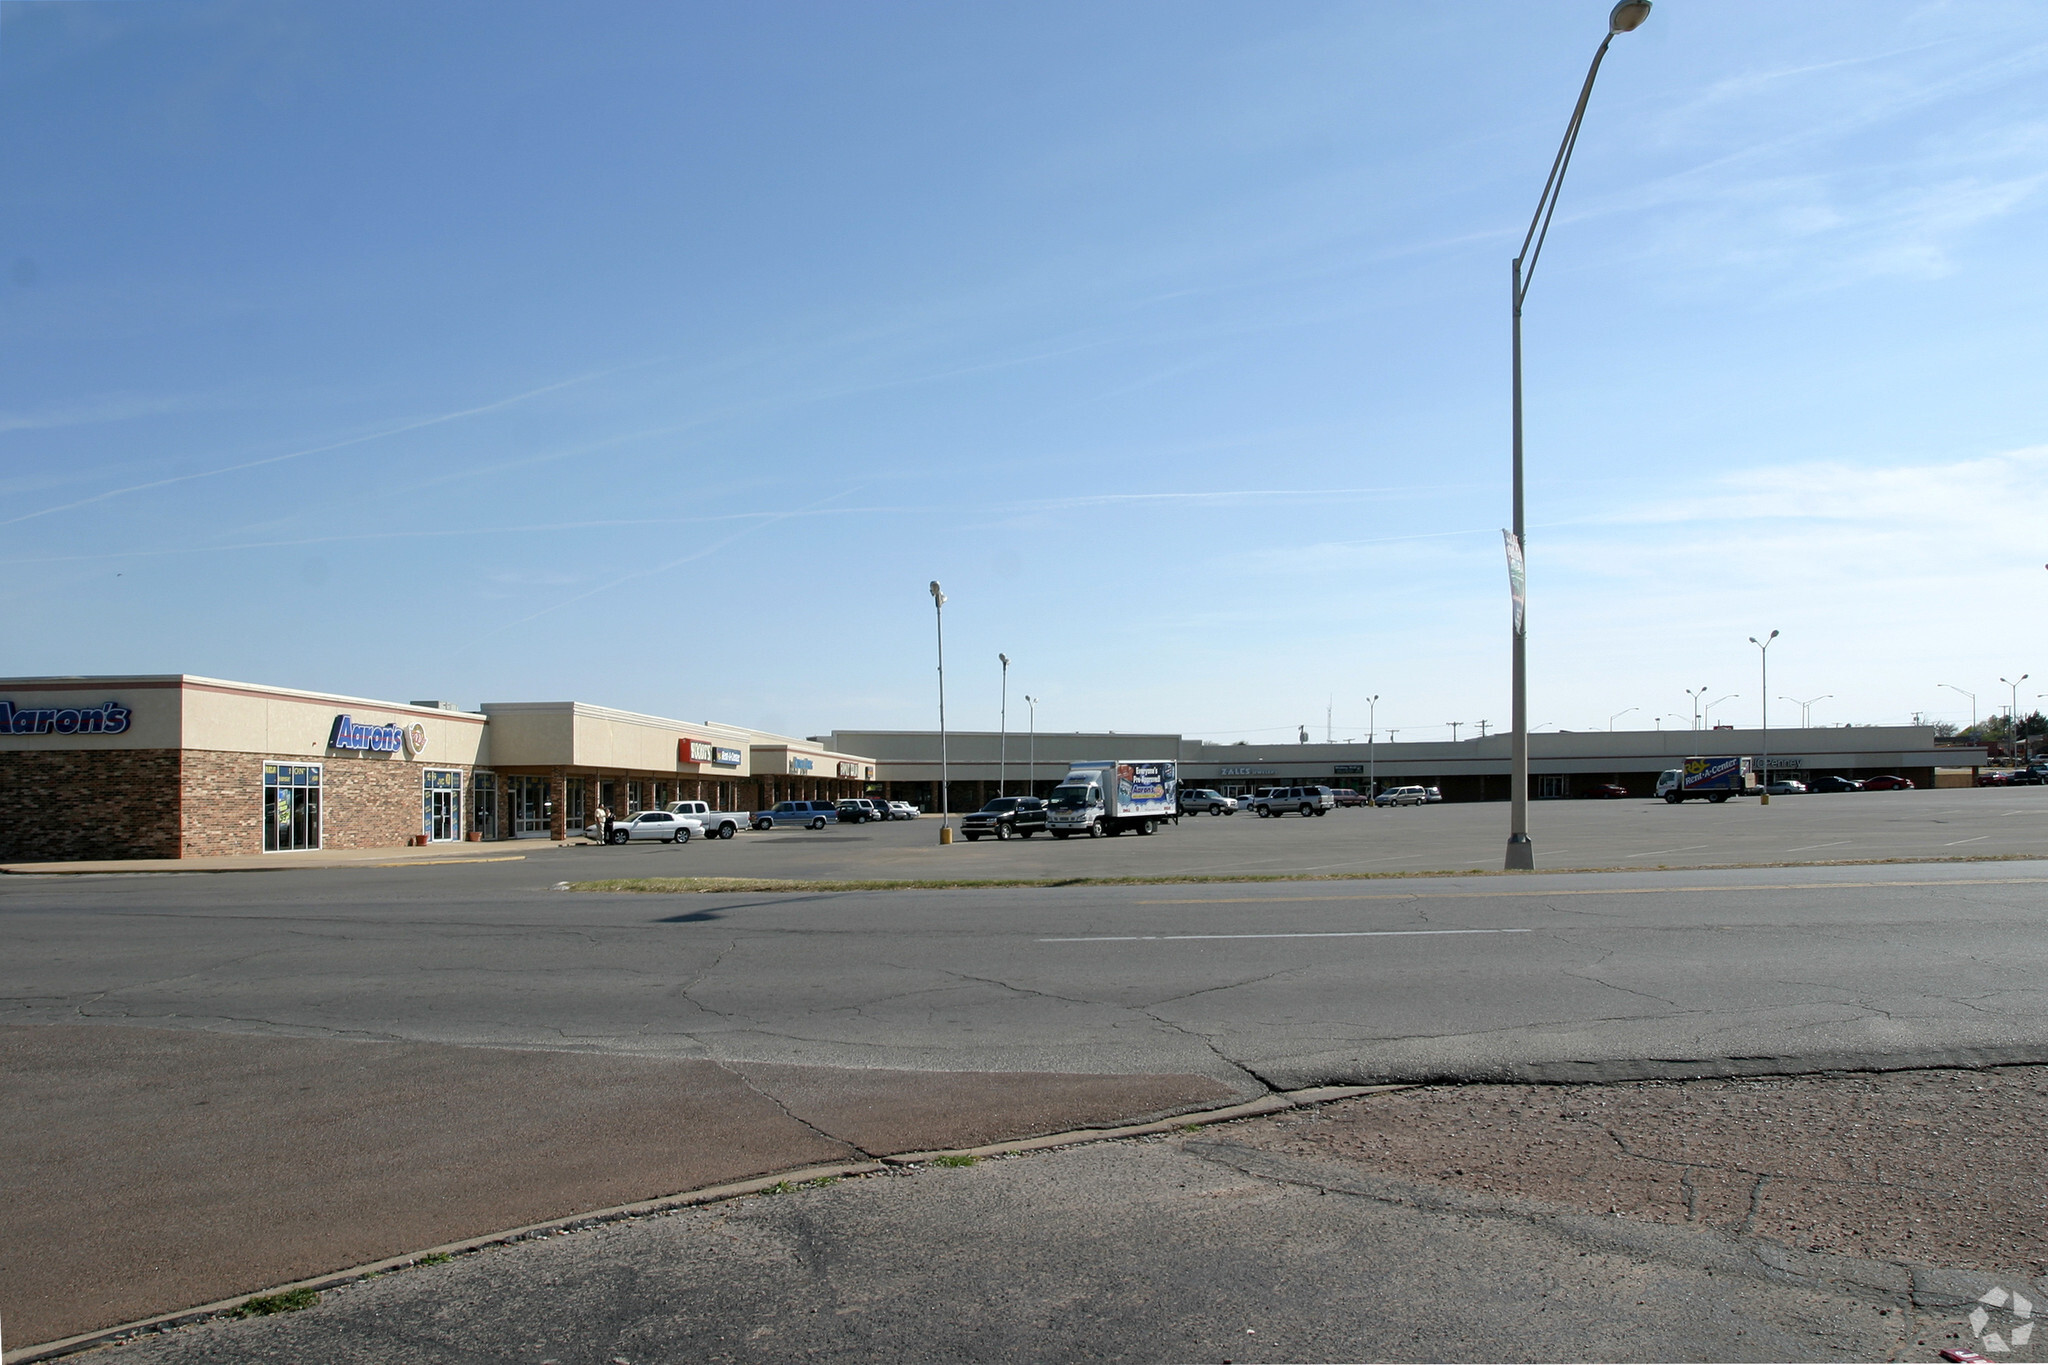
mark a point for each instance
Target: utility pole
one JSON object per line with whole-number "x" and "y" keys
{"x": 945, "y": 772}
{"x": 1482, "y": 727}
{"x": 1372, "y": 735}
{"x": 1454, "y": 724}
{"x": 1031, "y": 783}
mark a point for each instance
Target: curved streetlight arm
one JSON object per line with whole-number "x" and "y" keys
{"x": 1539, "y": 225}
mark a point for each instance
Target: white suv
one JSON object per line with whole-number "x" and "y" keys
{"x": 1308, "y": 800}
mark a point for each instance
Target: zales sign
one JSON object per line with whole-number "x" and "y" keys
{"x": 110, "y": 718}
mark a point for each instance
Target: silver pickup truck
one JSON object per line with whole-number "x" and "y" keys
{"x": 718, "y": 824}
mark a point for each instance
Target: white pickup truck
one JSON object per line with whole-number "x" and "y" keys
{"x": 718, "y": 824}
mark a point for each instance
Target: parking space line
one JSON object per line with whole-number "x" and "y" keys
{"x": 1953, "y": 842}
{"x": 1689, "y": 848}
{"x": 1346, "y": 933}
{"x": 1806, "y": 847}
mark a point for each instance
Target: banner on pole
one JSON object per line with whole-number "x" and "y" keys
{"x": 1518, "y": 581}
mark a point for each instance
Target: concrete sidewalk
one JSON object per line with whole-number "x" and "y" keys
{"x": 504, "y": 850}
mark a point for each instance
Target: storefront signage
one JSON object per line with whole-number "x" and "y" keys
{"x": 108, "y": 719}
{"x": 693, "y": 751}
{"x": 799, "y": 765}
{"x": 726, "y": 758}
{"x": 1349, "y": 768}
{"x": 380, "y": 739}
{"x": 1246, "y": 772}
{"x": 848, "y": 769}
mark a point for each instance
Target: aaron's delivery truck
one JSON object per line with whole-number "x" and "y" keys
{"x": 1096, "y": 799}
{"x": 1708, "y": 779}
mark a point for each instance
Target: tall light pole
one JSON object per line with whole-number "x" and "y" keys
{"x": 1617, "y": 716}
{"x": 1696, "y": 693}
{"x": 1521, "y": 855}
{"x": 1763, "y": 647}
{"x": 1732, "y": 696}
{"x": 1003, "y": 751}
{"x": 945, "y": 774}
{"x": 1973, "y": 701}
{"x": 1806, "y": 708}
{"x": 1372, "y": 744}
{"x": 2012, "y": 712}
{"x": 1032, "y": 783}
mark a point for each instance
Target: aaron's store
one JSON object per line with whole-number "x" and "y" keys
{"x": 182, "y": 767}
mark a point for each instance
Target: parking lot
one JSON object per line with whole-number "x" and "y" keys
{"x": 1637, "y": 833}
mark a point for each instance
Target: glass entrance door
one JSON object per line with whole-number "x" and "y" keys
{"x": 291, "y": 806}
{"x": 442, "y": 816}
{"x": 532, "y": 815}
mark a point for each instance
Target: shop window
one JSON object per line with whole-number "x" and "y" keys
{"x": 441, "y": 816}
{"x": 1551, "y": 787}
{"x": 291, "y": 806}
{"x": 573, "y": 791}
{"x": 532, "y": 807}
{"x": 483, "y": 805}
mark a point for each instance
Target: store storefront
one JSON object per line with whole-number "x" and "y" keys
{"x": 179, "y": 767}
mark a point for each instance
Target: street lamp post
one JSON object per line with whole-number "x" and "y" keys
{"x": 1973, "y": 701}
{"x": 1003, "y": 749}
{"x": 1732, "y": 696}
{"x": 1617, "y": 716}
{"x": 2012, "y": 712}
{"x": 1806, "y": 708}
{"x": 1372, "y": 743}
{"x": 1696, "y": 693}
{"x": 1521, "y": 853}
{"x": 1031, "y": 784}
{"x": 945, "y": 773}
{"x": 1764, "y": 651}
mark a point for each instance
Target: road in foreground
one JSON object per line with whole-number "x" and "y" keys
{"x": 1491, "y": 1223}
{"x": 769, "y": 1013}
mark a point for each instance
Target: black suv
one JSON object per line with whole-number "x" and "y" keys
{"x": 1005, "y": 816}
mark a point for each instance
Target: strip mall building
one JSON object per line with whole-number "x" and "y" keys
{"x": 179, "y": 767}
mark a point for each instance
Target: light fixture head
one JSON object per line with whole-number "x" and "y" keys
{"x": 1628, "y": 16}
{"x": 937, "y": 596}
{"x": 1005, "y": 658}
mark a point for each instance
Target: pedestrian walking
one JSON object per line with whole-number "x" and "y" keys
{"x": 604, "y": 822}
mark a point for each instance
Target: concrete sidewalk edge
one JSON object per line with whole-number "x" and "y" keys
{"x": 711, "y": 1194}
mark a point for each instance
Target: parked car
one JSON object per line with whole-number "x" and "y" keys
{"x": 1788, "y": 787}
{"x": 2028, "y": 777}
{"x": 903, "y": 810}
{"x": 1277, "y": 801}
{"x": 1349, "y": 796}
{"x": 1195, "y": 800}
{"x": 1004, "y": 816}
{"x": 716, "y": 824}
{"x": 1829, "y": 782}
{"x": 1606, "y": 791}
{"x": 1996, "y": 777}
{"x": 858, "y": 810}
{"x": 1888, "y": 784}
{"x": 809, "y": 814}
{"x": 666, "y": 826}
{"x": 1401, "y": 796}
{"x": 1432, "y": 795}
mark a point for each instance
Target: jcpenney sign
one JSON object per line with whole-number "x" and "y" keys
{"x": 108, "y": 719}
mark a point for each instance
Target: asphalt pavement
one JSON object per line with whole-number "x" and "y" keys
{"x": 416, "y": 1052}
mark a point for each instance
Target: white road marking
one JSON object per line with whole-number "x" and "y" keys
{"x": 1347, "y": 933}
{"x": 1528, "y": 893}
{"x": 1804, "y": 847}
{"x": 1953, "y": 842}
{"x": 1655, "y": 851}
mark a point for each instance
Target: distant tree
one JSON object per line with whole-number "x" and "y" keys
{"x": 1944, "y": 730}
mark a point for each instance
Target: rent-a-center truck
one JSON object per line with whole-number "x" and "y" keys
{"x": 1708, "y": 779}
{"x": 1109, "y": 797}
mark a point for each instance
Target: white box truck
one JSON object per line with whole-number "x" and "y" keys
{"x": 1712, "y": 779}
{"x": 1098, "y": 799}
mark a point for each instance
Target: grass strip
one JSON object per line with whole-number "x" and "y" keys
{"x": 745, "y": 885}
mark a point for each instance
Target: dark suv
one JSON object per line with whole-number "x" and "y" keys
{"x": 1005, "y": 816}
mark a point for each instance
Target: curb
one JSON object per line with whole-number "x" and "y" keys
{"x": 710, "y": 1194}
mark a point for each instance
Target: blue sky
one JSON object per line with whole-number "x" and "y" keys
{"x": 659, "y": 356}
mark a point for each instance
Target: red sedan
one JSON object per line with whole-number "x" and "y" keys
{"x": 1606, "y": 790}
{"x": 1888, "y": 784}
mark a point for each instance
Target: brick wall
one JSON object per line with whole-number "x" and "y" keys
{"x": 364, "y": 802}
{"x": 59, "y": 804}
